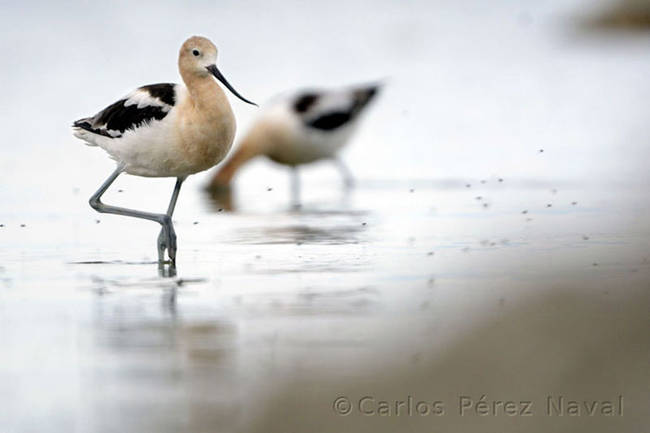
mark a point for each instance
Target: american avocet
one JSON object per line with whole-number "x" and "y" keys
{"x": 166, "y": 130}
{"x": 301, "y": 128}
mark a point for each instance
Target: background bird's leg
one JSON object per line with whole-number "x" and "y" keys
{"x": 96, "y": 203}
{"x": 295, "y": 187}
{"x": 348, "y": 179}
{"x": 167, "y": 236}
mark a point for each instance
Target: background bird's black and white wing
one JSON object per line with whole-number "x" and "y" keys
{"x": 329, "y": 111}
{"x": 140, "y": 107}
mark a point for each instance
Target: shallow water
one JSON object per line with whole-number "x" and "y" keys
{"x": 265, "y": 295}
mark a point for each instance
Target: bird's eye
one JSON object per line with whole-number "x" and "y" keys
{"x": 196, "y": 53}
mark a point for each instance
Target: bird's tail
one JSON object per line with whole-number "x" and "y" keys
{"x": 82, "y": 129}
{"x": 363, "y": 95}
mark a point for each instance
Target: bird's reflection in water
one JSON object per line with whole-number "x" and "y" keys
{"x": 337, "y": 224}
{"x": 170, "y": 294}
{"x": 305, "y": 227}
{"x": 166, "y": 285}
{"x": 300, "y": 234}
{"x": 150, "y": 362}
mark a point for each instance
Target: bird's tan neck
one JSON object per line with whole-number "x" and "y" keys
{"x": 206, "y": 122}
{"x": 207, "y": 96}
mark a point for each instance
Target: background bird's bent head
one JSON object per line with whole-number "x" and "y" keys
{"x": 197, "y": 59}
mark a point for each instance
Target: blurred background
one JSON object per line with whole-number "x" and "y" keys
{"x": 497, "y": 242}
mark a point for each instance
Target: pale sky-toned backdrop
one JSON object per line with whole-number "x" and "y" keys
{"x": 473, "y": 88}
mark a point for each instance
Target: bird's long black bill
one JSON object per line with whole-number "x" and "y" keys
{"x": 219, "y": 76}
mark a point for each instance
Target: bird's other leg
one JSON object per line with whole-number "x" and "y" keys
{"x": 295, "y": 187}
{"x": 167, "y": 236}
{"x": 96, "y": 203}
{"x": 95, "y": 199}
{"x": 346, "y": 174}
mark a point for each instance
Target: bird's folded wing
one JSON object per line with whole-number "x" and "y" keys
{"x": 142, "y": 106}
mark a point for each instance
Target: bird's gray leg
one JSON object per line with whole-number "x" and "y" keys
{"x": 295, "y": 187}
{"x": 348, "y": 179}
{"x": 96, "y": 203}
{"x": 167, "y": 236}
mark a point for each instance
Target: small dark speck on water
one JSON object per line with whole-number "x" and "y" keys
{"x": 594, "y": 264}
{"x": 573, "y": 203}
{"x": 411, "y": 190}
{"x": 269, "y": 189}
{"x": 2, "y": 225}
{"x": 220, "y": 210}
{"x": 469, "y": 185}
{"x": 298, "y": 243}
{"x": 120, "y": 190}
{"x": 363, "y": 224}
{"x": 541, "y": 150}
{"x": 585, "y": 237}
{"x": 430, "y": 253}
{"x": 195, "y": 222}
{"x": 524, "y": 211}
{"x": 486, "y": 205}
{"x": 500, "y": 179}
{"x": 478, "y": 197}
{"x": 23, "y": 225}
{"x": 549, "y": 205}
{"x": 97, "y": 221}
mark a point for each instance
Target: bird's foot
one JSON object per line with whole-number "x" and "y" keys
{"x": 167, "y": 242}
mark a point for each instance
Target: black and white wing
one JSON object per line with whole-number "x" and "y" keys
{"x": 140, "y": 107}
{"x": 328, "y": 111}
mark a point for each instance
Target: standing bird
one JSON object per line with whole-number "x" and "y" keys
{"x": 166, "y": 130}
{"x": 304, "y": 127}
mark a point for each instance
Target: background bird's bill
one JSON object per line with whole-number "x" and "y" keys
{"x": 219, "y": 76}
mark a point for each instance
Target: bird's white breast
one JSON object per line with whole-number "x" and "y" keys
{"x": 186, "y": 141}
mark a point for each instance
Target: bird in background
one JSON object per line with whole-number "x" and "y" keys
{"x": 298, "y": 129}
{"x": 166, "y": 130}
